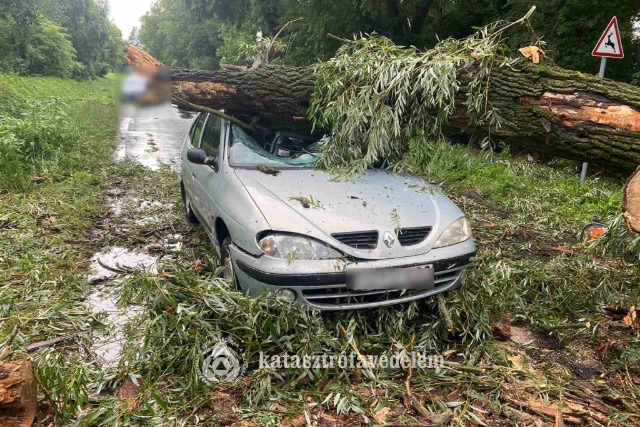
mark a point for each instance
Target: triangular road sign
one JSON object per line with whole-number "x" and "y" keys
{"x": 610, "y": 44}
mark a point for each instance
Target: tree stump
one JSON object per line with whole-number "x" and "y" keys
{"x": 631, "y": 208}
{"x": 18, "y": 396}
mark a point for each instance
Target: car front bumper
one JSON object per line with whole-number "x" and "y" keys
{"x": 322, "y": 283}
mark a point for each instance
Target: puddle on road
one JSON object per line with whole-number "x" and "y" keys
{"x": 107, "y": 344}
{"x": 146, "y": 211}
{"x": 117, "y": 261}
{"x": 112, "y": 265}
{"x": 153, "y": 135}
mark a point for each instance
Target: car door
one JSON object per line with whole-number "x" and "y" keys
{"x": 188, "y": 168}
{"x": 208, "y": 176}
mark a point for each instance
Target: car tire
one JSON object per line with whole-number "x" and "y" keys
{"x": 188, "y": 212}
{"x": 228, "y": 273}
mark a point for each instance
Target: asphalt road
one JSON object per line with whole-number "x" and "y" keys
{"x": 153, "y": 134}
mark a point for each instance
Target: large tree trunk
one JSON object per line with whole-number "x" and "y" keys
{"x": 570, "y": 115}
{"x": 276, "y": 97}
{"x": 545, "y": 109}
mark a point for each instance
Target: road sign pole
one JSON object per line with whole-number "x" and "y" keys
{"x": 585, "y": 165}
{"x": 603, "y": 66}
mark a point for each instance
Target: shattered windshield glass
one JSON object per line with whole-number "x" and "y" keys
{"x": 283, "y": 150}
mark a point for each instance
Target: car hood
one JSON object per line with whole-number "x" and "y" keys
{"x": 376, "y": 200}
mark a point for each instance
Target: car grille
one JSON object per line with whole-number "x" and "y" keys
{"x": 359, "y": 239}
{"x": 413, "y": 236}
{"x": 333, "y": 296}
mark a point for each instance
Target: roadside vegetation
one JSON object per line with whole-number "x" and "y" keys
{"x": 61, "y": 38}
{"x": 56, "y": 137}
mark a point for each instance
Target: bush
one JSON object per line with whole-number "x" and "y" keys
{"x": 31, "y": 142}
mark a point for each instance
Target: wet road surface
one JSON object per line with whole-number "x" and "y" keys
{"x": 153, "y": 134}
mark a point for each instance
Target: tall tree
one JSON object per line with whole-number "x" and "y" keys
{"x": 50, "y": 51}
{"x": 570, "y": 27}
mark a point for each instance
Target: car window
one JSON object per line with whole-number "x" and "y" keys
{"x": 196, "y": 130}
{"x": 247, "y": 152}
{"x": 211, "y": 136}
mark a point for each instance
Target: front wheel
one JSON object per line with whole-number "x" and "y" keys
{"x": 228, "y": 274}
{"x": 188, "y": 212}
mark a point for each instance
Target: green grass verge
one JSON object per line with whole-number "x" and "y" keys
{"x": 49, "y": 204}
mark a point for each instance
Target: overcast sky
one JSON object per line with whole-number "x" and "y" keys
{"x": 126, "y": 13}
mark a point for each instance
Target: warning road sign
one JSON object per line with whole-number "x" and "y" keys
{"x": 610, "y": 44}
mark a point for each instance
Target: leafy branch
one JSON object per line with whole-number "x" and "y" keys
{"x": 377, "y": 96}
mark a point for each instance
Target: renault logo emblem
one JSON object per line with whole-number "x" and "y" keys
{"x": 389, "y": 239}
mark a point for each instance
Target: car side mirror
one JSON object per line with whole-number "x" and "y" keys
{"x": 199, "y": 156}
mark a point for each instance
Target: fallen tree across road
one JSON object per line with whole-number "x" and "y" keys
{"x": 544, "y": 108}
{"x": 376, "y": 97}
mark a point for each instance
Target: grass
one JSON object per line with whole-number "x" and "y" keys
{"x": 49, "y": 203}
{"x": 53, "y": 128}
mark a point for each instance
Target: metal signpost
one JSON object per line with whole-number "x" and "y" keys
{"x": 609, "y": 46}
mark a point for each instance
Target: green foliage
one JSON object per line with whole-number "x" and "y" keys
{"x": 32, "y": 142}
{"x": 175, "y": 36}
{"x": 41, "y": 291}
{"x": 376, "y": 96}
{"x": 570, "y": 28}
{"x": 38, "y": 136}
{"x": 48, "y": 36}
{"x": 236, "y": 46}
{"x": 50, "y": 52}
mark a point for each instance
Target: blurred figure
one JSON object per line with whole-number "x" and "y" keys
{"x": 134, "y": 87}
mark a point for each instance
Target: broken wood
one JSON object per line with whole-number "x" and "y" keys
{"x": 48, "y": 343}
{"x": 18, "y": 397}
{"x": 631, "y": 204}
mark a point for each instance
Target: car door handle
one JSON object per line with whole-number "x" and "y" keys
{"x": 193, "y": 174}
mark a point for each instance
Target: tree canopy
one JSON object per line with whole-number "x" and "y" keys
{"x": 65, "y": 38}
{"x": 205, "y": 33}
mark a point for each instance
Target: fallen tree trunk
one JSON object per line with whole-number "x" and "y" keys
{"x": 545, "y": 109}
{"x": 273, "y": 96}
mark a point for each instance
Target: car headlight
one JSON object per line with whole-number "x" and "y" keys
{"x": 289, "y": 246}
{"x": 457, "y": 232}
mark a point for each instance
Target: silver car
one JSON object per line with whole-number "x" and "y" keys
{"x": 282, "y": 226}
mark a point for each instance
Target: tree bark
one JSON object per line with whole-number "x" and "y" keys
{"x": 273, "y": 96}
{"x": 570, "y": 114}
{"x": 18, "y": 398}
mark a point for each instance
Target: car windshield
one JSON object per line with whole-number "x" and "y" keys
{"x": 278, "y": 150}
